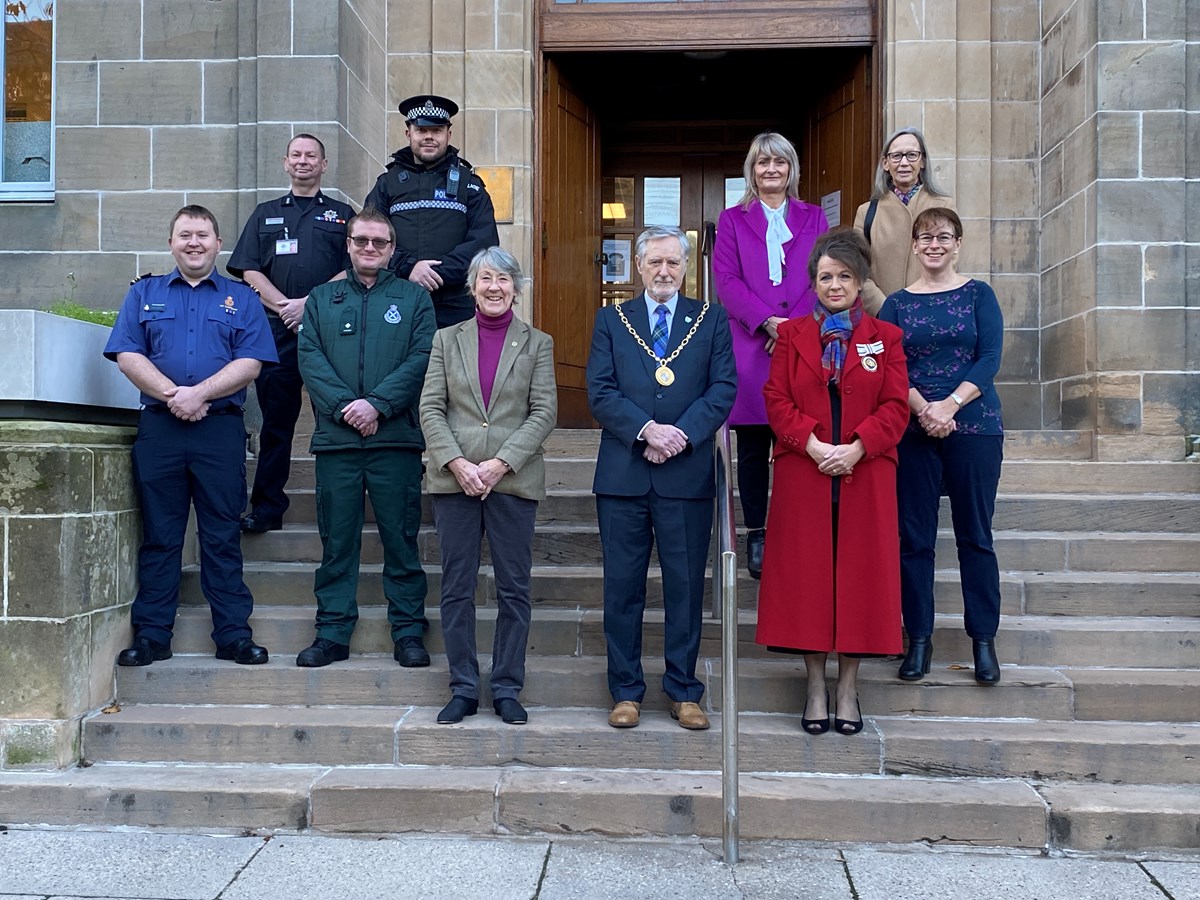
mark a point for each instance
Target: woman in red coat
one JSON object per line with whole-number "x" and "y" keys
{"x": 837, "y": 400}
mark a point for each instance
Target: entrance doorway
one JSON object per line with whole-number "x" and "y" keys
{"x": 629, "y": 139}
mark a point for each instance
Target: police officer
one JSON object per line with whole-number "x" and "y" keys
{"x": 363, "y": 348}
{"x": 440, "y": 209}
{"x": 191, "y": 342}
{"x": 287, "y": 247}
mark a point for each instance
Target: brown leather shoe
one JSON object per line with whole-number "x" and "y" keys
{"x": 689, "y": 715}
{"x": 625, "y": 714}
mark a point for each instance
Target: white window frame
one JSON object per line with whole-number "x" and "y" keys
{"x": 11, "y": 191}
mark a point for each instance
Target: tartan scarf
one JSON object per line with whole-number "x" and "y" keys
{"x": 906, "y": 196}
{"x": 836, "y": 328}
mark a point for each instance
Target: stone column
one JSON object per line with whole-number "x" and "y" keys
{"x": 69, "y": 533}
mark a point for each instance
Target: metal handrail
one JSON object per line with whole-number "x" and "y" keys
{"x": 724, "y": 603}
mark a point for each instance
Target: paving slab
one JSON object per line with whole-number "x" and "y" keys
{"x": 776, "y": 870}
{"x": 619, "y": 871}
{"x": 412, "y": 868}
{"x": 1180, "y": 879}
{"x": 179, "y": 867}
{"x": 883, "y": 875}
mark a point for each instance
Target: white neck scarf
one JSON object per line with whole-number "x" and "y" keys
{"x": 777, "y": 235}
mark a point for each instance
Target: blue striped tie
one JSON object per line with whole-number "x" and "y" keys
{"x": 659, "y": 337}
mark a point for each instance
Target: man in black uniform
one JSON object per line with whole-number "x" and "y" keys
{"x": 439, "y": 207}
{"x": 288, "y": 247}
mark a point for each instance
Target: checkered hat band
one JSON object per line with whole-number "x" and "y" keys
{"x": 428, "y": 111}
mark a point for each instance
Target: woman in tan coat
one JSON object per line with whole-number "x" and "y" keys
{"x": 904, "y": 188}
{"x": 489, "y": 403}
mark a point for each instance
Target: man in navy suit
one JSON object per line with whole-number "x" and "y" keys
{"x": 661, "y": 380}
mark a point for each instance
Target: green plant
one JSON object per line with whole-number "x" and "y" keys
{"x": 68, "y": 308}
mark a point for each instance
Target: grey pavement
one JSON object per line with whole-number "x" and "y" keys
{"x": 68, "y": 864}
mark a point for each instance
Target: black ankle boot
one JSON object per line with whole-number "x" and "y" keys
{"x": 917, "y": 660}
{"x": 987, "y": 667}
{"x": 756, "y": 541}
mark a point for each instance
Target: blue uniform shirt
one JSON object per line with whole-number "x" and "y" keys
{"x": 190, "y": 333}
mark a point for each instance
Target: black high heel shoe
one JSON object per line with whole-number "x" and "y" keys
{"x": 816, "y": 726}
{"x": 987, "y": 666}
{"x": 917, "y": 660}
{"x": 849, "y": 726}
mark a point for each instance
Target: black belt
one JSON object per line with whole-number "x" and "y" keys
{"x": 223, "y": 411}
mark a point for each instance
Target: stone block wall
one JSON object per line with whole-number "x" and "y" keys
{"x": 69, "y": 533}
{"x": 480, "y": 54}
{"x": 1119, "y": 251}
{"x": 965, "y": 73}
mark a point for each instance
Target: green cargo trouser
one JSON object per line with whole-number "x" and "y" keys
{"x": 392, "y": 477}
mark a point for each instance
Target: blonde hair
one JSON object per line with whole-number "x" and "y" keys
{"x": 770, "y": 143}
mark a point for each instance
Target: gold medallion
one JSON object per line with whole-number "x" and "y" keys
{"x": 664, "y": 376}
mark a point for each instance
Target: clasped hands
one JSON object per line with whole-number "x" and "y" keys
{"x": 937, "y": 418}
{"x": 771, "y": 327}
{"x": 662, "y": 442}
{"x": 291, "y": 311}
{"x": 186, "y": 403}
{"x": 834, "y": 459}
{"x": 362, "y": 417}
{"x": 477, "y": 480}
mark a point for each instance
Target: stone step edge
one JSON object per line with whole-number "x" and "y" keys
{"x": 515, "y": 800}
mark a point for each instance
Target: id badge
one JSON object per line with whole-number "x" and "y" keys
{"x": 287, "y": 248}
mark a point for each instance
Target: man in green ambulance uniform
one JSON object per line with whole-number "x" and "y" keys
{"x": 363, "y": 348}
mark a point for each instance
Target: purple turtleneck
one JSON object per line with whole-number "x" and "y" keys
{"x": 491, "y": 342}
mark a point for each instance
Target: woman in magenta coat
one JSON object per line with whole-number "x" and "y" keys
{"x": 837, "y": 399}
{"x": 760, "y": 264}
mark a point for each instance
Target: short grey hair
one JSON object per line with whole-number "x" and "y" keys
{"x": 654, "y": 232}
{"x": 499, "y": 260}
{"x": 883, "y": 181}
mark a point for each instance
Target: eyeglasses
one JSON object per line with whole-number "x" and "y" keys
{"x": 377, "y": 243}
{"x": 945, "y": 239}
{"x": 910, "y": 155}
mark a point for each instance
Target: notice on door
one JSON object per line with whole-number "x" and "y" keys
{"x": 831, "y": 204}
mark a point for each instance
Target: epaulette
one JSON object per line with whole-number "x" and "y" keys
{"x": 137, "y": 278}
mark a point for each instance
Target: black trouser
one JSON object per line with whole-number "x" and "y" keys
{"x": 278, "y": 388}
{"x": 754, "y": 471}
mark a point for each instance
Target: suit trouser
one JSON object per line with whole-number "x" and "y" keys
{"x": 178, "y": 464}
{"x": 629, "y": 527}
{"x": 754, "y": 472}
{"x": 462, "y": 522}
{"x": 968, "y": 467}
{"x": 278, "y": 389}
{"x": 392, "y": 477}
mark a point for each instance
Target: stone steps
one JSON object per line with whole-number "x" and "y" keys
{"x": 580, "y": 738}
{"x": 1150, "y": 642}
{"x": 1056, "y": 593}
{"x": 574, "y": 473}
{"x": 765, "y": 686}
{"x": 523, "y": 800}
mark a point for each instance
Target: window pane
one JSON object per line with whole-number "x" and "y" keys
{"x": 661, "y": 201}
{"x": 28, "y": 88}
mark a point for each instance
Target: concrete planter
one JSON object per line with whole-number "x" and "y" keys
{"x": 54, "y": 368}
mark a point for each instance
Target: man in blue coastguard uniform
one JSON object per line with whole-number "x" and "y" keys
{"x": 364, "y": 349}
{"x": 438, "y": 206}
{"x": 287, "y": 247}
{"x": 191, "y": 342}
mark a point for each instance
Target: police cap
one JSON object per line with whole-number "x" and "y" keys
{"x": 427, "y": 109}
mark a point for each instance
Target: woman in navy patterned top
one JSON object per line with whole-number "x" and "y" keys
{"x": 953, "y": 332}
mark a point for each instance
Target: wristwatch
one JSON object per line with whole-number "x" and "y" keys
{"x": 957, "y": 399}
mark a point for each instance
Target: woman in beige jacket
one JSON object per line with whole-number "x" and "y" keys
{"x": 904, "y": 188}
{"x": 489, "y": 403}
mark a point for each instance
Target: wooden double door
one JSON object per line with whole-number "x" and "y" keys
{"x": 607, "y": 169}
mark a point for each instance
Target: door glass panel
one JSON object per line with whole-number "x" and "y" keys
{"x": 660, "y": 201}
{"x": 619, "y": 202}
{"x": 734, "y": 188}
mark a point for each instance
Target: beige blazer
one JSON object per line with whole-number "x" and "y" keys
{"x": 894, "y": 265}
{"x": 522, "y": 413}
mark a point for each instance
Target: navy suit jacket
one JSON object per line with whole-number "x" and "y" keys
{"x": 624, "y": 396}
